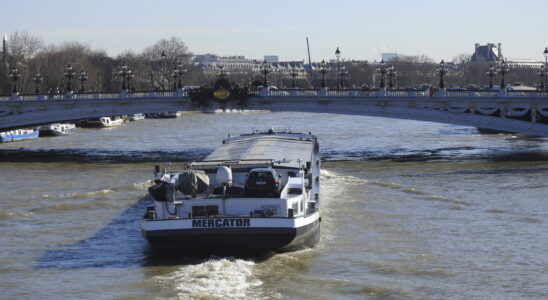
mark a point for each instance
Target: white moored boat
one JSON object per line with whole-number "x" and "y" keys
{"x": 103, "y": 122}
{"x": 57, "y": 129}
{"x": 254, "y": 194}
{"x": 136, "y": 117}
{"x": 18, "y": 134}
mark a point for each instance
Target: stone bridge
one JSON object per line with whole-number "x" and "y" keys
{"x": 513, "y": 111}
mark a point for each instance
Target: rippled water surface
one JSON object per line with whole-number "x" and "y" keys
{"x": 411, "y": 210}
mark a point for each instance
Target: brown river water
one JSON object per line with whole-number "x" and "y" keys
{"x": 410, "y": 210}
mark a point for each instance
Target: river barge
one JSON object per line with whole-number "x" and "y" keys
{"x": 256, "y": 193}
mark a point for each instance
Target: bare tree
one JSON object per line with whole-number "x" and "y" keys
{"x": 163, "y": 57}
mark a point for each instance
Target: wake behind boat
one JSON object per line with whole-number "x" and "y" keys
{"x": 254, "y": 194}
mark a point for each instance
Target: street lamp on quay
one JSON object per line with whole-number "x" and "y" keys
{"x": 69, "y": 74}
{"x": 323, "y": 70}
{"x": 503, "y": 70}
{"x": 338, "y": 56}
{"x": 491, "y": 73}
{"x": 14, "y": 76}
{"x": 265, "y": 69}
{"x": 37, "y": 79}
{"x": 82, "y": 77}
{"x": 382, "y": 70}
{"x": 442, "y": 71}
{"x": 391, "y": 76}
{"x": 542, "y": 73}
{"x": 126, "y": 75}
{"x": 293, "y": 73}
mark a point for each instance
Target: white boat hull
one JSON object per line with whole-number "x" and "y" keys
{"x": 233, "y": 235}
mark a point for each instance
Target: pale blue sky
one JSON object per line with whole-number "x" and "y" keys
{"x": 362, "y": 29}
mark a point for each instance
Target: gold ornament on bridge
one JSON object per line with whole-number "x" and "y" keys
{"x": 221, "y": 94}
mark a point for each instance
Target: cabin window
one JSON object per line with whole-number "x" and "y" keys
{"x": 295, "y": 191}
{"x": 204, "y": 210}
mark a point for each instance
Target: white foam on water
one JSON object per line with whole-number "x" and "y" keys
{"x": 224, "y": 278}
{"x": 332, "y": 176}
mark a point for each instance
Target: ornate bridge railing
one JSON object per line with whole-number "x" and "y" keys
{"x": 289, "y": 93}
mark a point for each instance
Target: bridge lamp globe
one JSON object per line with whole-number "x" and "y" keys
{"x": 337, "y": 53}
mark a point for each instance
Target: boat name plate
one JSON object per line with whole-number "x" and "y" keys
{"x": 221, "y": 222}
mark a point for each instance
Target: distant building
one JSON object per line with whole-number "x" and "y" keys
{"x": 211, "y": 64}
{"x": 518, "y": 63}
{"x": 487, "y": 53}
{"x": 271, "y": 58}
{"x": 388, "y": 57}
{"x": 493, "y": 54}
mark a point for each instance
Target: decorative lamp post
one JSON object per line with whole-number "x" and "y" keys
{"x": 503, "y": 70}
{"x": 338, "y": 56}
{"x": 37, "y": 79}
{"x": 126, "y": 75}
{"x": 14, "y": 76}
{"x": 491, "y": 73}
{"x": 130, "y": 76}
{"x": 293, "y": 73}
{"x": 542, "y": 73}
{"x": 545, "y": 53}
{"x": 391, "y": 76}
{"x": 382, "y": 70}
{"x": 323, "y": 70}
{"x": 265, "y": 69}
{"x": 82, "y": 77}
{"x": 175, "y": 76}
{"x": 164, "y": 58}
{"x": 180, "y": 72}
{"x": 69, "y": 74}
{"x": 342, "y": 73}
{"x": 442, "y": 71}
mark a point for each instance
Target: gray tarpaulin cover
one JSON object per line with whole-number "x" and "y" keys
{"x": 192, "y": 182}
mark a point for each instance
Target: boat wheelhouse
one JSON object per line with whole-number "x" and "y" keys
{"x": 254, "y": 194}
